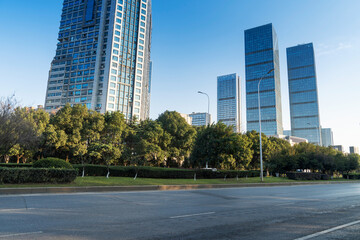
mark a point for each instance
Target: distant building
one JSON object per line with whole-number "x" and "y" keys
{"x": 338, "y": 147}
{"x": 292, "y": 140}
{"x": 261, "y": 56}
{"x": 287, "y": 132}
{"x": 228, "y": 101}
{"x": 200, "y": 119}
{"x": 354, "y": 149}
{"x": 303, "y": 93}
{"x": 187, "y": 118}
{"x": 327, "y": 137}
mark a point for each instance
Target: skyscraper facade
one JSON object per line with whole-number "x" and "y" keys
{"x": 262, "y": 55}
{"x": 327, "y": 137}
{"x": 103, "y": 57}
{"x": 303, "y": 93}
{"x": 228, "y": 101}
{"x": 287, "y": 132}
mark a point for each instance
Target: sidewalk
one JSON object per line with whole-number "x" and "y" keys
{"x": 39, "y": 190}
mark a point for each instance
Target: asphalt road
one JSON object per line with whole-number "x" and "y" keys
{"x": 289, "y": 212}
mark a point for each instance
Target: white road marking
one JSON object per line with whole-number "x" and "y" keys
{"x": 15, "y": 209}
{"x": 19, "y": 234}
{"x": 328, "y": 230}
{"x": 191, "y": 215}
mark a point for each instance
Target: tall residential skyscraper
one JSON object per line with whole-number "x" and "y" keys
{"x": 228, "y": 101}
{"x": 304, "y": 105}
{"x": 262, "y": 55}
{"x": 327, "y": 137}
{"x": 103, "y": 57}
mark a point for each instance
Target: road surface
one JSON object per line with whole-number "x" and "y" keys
{"x": 315, "y": 212}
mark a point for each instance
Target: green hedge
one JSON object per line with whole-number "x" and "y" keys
{"x": 351, "y": 176}
{"x": 36, "y": 175}
{"x": 52, "y": 163}
{"x": 15, "y": 165}
{"x": 307, "y": 176}
{"x": 156, "y": 172}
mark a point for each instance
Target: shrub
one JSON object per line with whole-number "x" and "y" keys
{"x": 36, "y": 175}
{"x": 351, "y": 176}
{"x": 307, "y": 176}
{"x": 52, "y": 163}
{"x": 157, "y": 172}
{"x": 15, "y": 165}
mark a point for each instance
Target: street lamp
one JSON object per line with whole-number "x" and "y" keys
{"x": 208, "y": 100}
{"x": 208, "y": 114}
{"x": 261, "y": 158}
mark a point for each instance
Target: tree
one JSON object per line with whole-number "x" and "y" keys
{"x": 182, "y": 136}
{"x": 152, "y": 141}
{"x": 242, "y": 151}
{"x": 55, "y": 139}
{"x": 39, "y": 120}
{"x": 283, "y": 161}
{"x": 106, "y": 151}
{"x": 218, "y": 145}
{"x": 17, "y": 133}
{"x": 351, "y": 162}
{"x": 91, "y": 132}
{"x": 70, "y": 120}
{"x": 110, "y": 144}
{"x": 267, "y": 149}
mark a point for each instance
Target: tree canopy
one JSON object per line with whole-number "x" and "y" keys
{"x": 80, "y": 135}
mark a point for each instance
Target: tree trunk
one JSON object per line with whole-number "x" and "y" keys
{"x": 24, "y": 160}
{"x": 17, "y": 159}
{"x": 67, "y": 158}
{"x": 6, "y": 158}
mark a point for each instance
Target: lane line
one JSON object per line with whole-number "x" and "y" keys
{"x": 19, "y": 234}
{"x": 328, "y": 230}
{"x": 15, "y": 209}
{"x": 191, "y": 215}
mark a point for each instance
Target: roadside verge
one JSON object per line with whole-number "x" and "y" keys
{"x": 39, "y": 190}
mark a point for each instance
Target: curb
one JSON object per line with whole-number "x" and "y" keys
{"x": 94, "y": 189}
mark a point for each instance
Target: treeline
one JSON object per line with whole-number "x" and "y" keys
{"x": 313, "y": 158}
{"x": 83, "y": 136}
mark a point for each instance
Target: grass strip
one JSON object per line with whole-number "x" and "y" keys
{"x": 125, "y": 181}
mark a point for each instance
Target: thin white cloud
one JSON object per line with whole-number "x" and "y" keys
{"x": 324, "y": 49}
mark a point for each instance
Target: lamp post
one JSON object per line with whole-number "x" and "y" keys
{"x": 208, "y": 114}
{"x": 261, "y": 158}
{"x": 208, "y": 100}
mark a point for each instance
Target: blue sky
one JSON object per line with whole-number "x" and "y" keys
{"x": 194, "y": 41}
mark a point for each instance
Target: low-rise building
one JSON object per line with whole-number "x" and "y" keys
{"x": 338, "y": 147}
{"x": 354, "y": 149}
{"x": 200, "y": 119}
{"x": 187, "y": 118}
{"x": 291, "y": 139}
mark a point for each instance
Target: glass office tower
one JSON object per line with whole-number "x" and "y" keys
{"x": 304, "y": 106}
{"x": 103, "y": 57}
{"x": 228, "y": 101}
{"x": 262, "y": 55}
{"x": 327, "y": 137}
